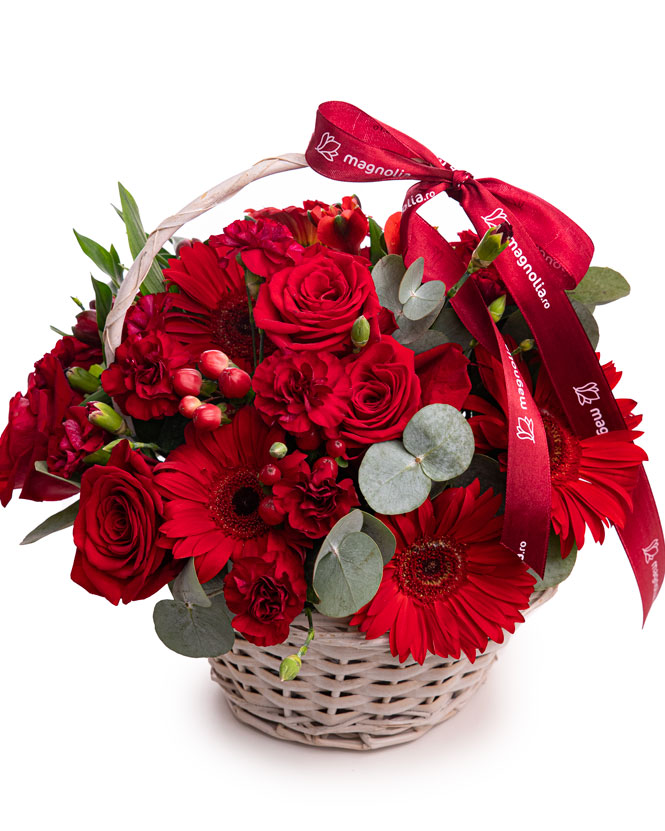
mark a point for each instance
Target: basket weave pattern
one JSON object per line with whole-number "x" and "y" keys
{"x": 350, "y": 693}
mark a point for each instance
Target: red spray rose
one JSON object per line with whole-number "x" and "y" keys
{"x": 312, "y": 500}
{"x": 264, "y": 246}
{"x": 266, "y": 593}
{"x": 116, "y": 529}
{"x": 444, "y": 376}
{"x": 341, "y": 227}
{"x": 140, "y": 379}
{"x": 85, "y": 329}
{"x": 72, "y": 440}
{"x": 297, "y": 220}
{"x": 385, "y": 393}
{"x": 313, "y": 304}
{"x": 301, "y": 390}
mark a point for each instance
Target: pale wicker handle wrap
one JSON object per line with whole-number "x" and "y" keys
{"x": 215, "y": 196}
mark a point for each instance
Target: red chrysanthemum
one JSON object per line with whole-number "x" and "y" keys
{"x": 265, "y": 246}
{"x": 297, "y": 220}
{"x": 451, "y": 586}
{"x": 592, "y": 478}
{"x": 213, "y": 302}
{"x": 301, "y": 390}
{"x": 212, "y": 486}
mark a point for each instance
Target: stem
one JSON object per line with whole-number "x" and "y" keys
{"x": 261, "y": 337}
{"x": 251, "y": 321}
{"x": 458, "y": 285}
{"x": 310, "y": 634}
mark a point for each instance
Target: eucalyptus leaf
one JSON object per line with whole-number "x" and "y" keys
{"x": 427, "y": 299}
{"x": 411, "y": 330}
{"x": 194, "y": 631}
{"x": 348, "y": 576}
{"x": 387, "y": 275}
{"x": 411, "y": 280}
{"x": 56, "y": 522}
{"x": 599, "y": 286}
{"x": 516, "y": 327}
{"x": 187, "y": 587}
{"x": 557, "y": 569}
{"x": 391, "y": 479}
{"x": 440, "y": 437}
{"x": 42, "y": 467}
{"x": 136, "y": 236}
{"x": 381, "y": 534}
{"x": 588, "y": 322}
{"x": 427, "y": 340}
{"x": 449, "y": 325}
{"x": 486, "y": 470}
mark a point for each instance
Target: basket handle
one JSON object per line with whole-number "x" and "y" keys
{"x": 141, "y": 265}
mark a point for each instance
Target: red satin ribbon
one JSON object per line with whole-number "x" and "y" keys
{"x": 549, "y": 254}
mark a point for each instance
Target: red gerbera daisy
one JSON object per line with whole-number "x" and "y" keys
{"x": 213, "y": 491}
{"x": 592, "y": 478}
{"x": 451, "y": 586}
{"x": 213, "y": 301}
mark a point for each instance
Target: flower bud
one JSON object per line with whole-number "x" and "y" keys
{"x": 326, "y": 467}
{"x": 82, "y": 380}
{"x": 213, "y": 362}
{"x": 187, "y": 381}
{"x": 234, "y": 382}
{"x": 85, "y": 328}
{"x": 278, "y": 450}
{"x": 207, "y": 418}
{"x": 497, "y": 307}
{"x": 490, "y": 246}
{"x": 189, "y": 405}
{"x": 289, "y": 668}
{"x": 101, "y": 415}
{"x": 360, "y": 332}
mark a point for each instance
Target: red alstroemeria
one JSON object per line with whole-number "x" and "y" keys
{"x": 451, "y": 586}
{"x": 73, "y": 440}
{"x": 341, "y": 227}
{"x": 264, "y": 246}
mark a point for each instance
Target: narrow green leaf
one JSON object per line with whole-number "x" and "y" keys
{"x": 187, "y": 587}
{"x": 103, "y": 302}
{"x": 58, "y": 331}
{"x": 97, "y": 253}
{"x": 194, "y": 631}
{"x": 440, "y": 437}
{"x": 136, "y": 236}
{"x": 41, "y": 467}
{"x": 348, "y": 575}
{"x": 376, "y": 246}
{"x": 57, "y": 522}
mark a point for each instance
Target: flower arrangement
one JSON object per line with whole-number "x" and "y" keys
{"x": 313, "y": 411}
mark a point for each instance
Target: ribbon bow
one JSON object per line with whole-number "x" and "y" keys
{"x": 548, "y": 255}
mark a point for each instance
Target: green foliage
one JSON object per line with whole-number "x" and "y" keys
{"x": 557, "y": 569}
{"x": 63, "y": 519}
{"x": 599, "y": 286}
{"x": 194, "y": 631}
{"x": 377, "y": 244}
{"x": 136, "y": 236}
{"x": 103, "y": 302}
{"x": 106, "y": 261}
{"x": 441, "y": 438}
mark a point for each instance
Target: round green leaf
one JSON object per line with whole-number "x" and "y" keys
{"x": 427, "y": 299}
{"x": 348, "y": 575}
{"x": 557, "y": 569}
{"x": 381, "y": 534}
{"x": 588, "y": 322}
{"x": 194, "y": 631}
{"x": 387, "y": 275}
{"x": 411, "y": 280}
{"x": 391, "y": 480}
{"x": 440, "y": 438}
{"x": 428, "y": 340}
{"x": 452, "y": 328}
{"x": 486, "y": 470}
{"x": 187, "y": 588}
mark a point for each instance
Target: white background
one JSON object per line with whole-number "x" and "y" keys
{"x": 102, "y": 727}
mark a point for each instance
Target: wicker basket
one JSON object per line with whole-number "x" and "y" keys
{"x": 350, "y": 693}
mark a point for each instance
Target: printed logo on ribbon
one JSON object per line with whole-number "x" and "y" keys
{"x": 497, "y": 216}
{"x": 651, "y": 551}
{"x": 525, "y": 429}
{"x": 588, "y": 393}
{"x": 328, "y": 146}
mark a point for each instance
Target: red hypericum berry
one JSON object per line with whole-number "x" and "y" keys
{"x": 213, "y": 362}
{"x": 326, "y": 466}
{"x": 189, "y": 405}
{"x": 269, "y": 513}
{"x": 187, "y": 381}
{"x": 269, "y": 475}
{"x": 234, "y": 382}
{"x": 207, "y": 417}
{"x": 335, "y": 448}
{"x": 309, "y": 440}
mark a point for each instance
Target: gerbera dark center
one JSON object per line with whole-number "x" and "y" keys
{"x": 234, "y": 504}
{"x": 431, "y": 570}
{"x": 564, "y": 449}
{"x": 229, "y": 326}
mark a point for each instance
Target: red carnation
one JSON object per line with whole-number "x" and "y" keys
{"x": 297, "y": 220}
{"x": 33, "y": 417}
{"x": 313, "y": 305}
{"x": 150, "y": 312}
{"x": 140, "y": 379}
{"x": 70, "y": 351}
{"x": 266, "y": 593}
{"x": 385, "y": 393}
{"x": 341, "y": 227}
{"x": 73, "y": 440}
{"x": 312, "y": 500}
{"x": 444, "y": 376}
{"x": 451, "y": 586}
{"x": 264, "y": 246}
{"x": 488, "y": 280}
{"x": 116, "y": 530}
{"x": 301, "y": 390}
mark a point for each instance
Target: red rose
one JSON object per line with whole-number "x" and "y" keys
{"x": 385, "y": 393}
{"x": 312, "y": 500}
{"x": 264, "y": 246}
{"x": 266, "y": 593}
{"x": 444, "y": 376}
{"x": 116, "y": 530}
{"x": 32, "y": 419}
{"x": 140, "y": 379}
{"x": 341, "y": 227}
{"x": 313, "y": 304}
{"x": 297, "y": 220}
{"x": 73, "y": 440}
{"x": 301, "y": 390}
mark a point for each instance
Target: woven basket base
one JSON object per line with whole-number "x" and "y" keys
{"x": 350, "y": 693}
